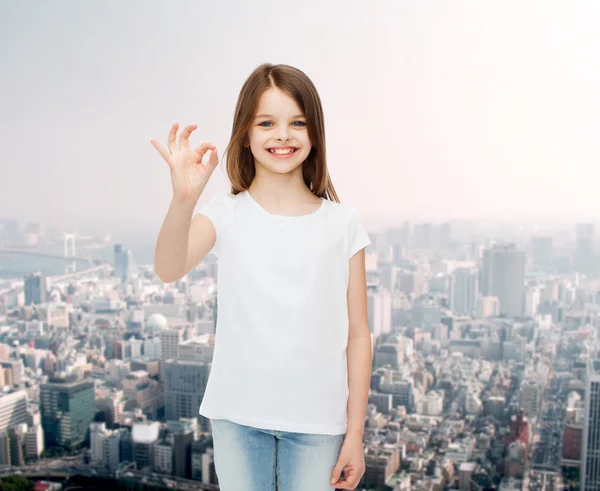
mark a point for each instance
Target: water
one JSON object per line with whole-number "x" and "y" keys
{"x": 16, "y": 266}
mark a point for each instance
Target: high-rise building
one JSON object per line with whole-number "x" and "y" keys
{"x": 34, "y": 441}
{"x": 182, "y": 433}
{"x": 542, "y": 254}
{"x": 16, "y": 436}
{"x": 444, "y": 235}
{"x": 379, "y": 310}
{"x": 163, "y": 455}
{"x": 584, "y": 249}
{"x": 464, "y": 287}
{"x": 503, "y": 276}
{"x": 35, "y": 289}
{"x": 185, "y": 383}
{"x": 529, "y": 397}
{"x": 169, "y": 343}
{"x": 422, "y": 235}
{"x": 68, "y": 408}
{"x": 121, "y": 262}
{"x": 413, "y": 282}
{"x": 532, "y": 300}
{"x": 590, "y": 448}
{"x": 144, "y": 437}
{"x": 13, "y": 409}
{"x": 572, "y": 441}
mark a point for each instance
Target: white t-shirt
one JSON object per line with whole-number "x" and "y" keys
{"x": 279, "y": 361}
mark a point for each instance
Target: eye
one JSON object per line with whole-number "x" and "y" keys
{"x": 302, "y": 124}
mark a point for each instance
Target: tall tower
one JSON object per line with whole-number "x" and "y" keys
{"x": 36, "y": 287}
{"x": 503, "y": 276}
{"x": 590, "y": 451}
{"x": 69, "y": 240}
{"x": 584, "y": 249}
{"x": 121, "y": 262}
{"x": 542, "y": 254}
{"x": 464, "y": 286}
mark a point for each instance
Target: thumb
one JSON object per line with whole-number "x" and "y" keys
{"x": 337, "y": 470}
{"x": 212, "y": 161}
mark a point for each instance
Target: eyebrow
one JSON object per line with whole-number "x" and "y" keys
{"x": 271, "y": 116}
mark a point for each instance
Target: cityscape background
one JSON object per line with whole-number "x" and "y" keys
{"x": 466, "y": 135}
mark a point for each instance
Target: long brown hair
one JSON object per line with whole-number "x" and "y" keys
{"x": 240, "y": 161}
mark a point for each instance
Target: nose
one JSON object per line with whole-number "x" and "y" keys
{"x": 283, "y": 134}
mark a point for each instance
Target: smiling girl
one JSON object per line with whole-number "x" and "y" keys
{"x": 289, "y": 382}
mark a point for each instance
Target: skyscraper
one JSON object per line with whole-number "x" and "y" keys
{"x": 35, "y": 289}
{"x": 542, "y": 254}
{"x": 422, "y": 235}
{"x": 13, "y": 409}
{"x": 68, "y": 408}
{"x": 584, "y": 249}
{"x": 444, "y": 235}
{"x": 464, "y": 286}
{"x": 185, "y": 383}
{"x": 590, "y": 451}
{"x": 121, "y": 262}
{"x": 503, "y": 276}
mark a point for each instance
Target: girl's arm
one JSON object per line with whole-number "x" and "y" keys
{"x": 358, "y": 352}
{"x": 182, "y": 242}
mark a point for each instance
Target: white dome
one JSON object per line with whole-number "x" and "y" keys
{"x": 157, "y": 322}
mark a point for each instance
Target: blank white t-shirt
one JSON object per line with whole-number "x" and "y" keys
{"x": 279, "y": 361}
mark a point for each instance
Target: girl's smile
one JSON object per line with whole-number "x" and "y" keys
{"x": 282, "y": 152}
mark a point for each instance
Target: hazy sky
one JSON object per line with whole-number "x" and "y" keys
{"x": 432, "y": 109}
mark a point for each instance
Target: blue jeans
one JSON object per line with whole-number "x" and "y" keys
{"x": 254, "y": 459}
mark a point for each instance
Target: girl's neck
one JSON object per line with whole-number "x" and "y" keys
{"x": 290, "y": 192}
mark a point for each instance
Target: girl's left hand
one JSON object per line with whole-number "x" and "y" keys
{"x": 352, "y": 461}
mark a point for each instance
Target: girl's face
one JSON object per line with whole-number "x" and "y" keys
{"x": 278, "y": 122}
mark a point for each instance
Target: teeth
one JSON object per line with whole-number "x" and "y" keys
{"x": 280, "y": 151}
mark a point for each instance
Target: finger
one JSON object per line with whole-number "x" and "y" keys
{"x": 349, "y": 484}
{"x": 171, "y": 143}
{"x": 163, "y": 152}
{"x": 184, "y": 141}
{"x": 202, "y": 149}
{"x": 346, "y": 484}
{"x": 213, "y": 161}
{"x": 335, "y": 474}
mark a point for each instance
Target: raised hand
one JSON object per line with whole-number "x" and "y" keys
{"x": 189, "y": 175}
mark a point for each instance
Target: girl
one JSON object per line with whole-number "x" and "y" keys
{"x": 289, "y": 382}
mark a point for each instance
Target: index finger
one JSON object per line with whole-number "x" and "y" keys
{"x": 172, "y": 135}
{"x": 164, "y": 154}
{"x": 184, "y": 141}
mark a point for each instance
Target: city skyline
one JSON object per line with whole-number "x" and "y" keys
{"x": 478, "y": 364}
{"x": 465, "y": 136}
{"x": 469, "y": 111}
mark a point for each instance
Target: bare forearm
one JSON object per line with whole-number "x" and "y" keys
{"x": 170, "y": 253}
{"x": 359, "y": 358}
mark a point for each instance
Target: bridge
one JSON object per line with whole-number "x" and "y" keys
{"x": 70, "y": 259}
{"x": 20, "y": 284}
{"x": 71, "y": 241}
{"x": 50, "y": 256}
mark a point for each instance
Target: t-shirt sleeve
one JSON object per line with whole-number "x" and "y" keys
{"x": 214, "y": 210}
{"x": 358, "y": 237}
